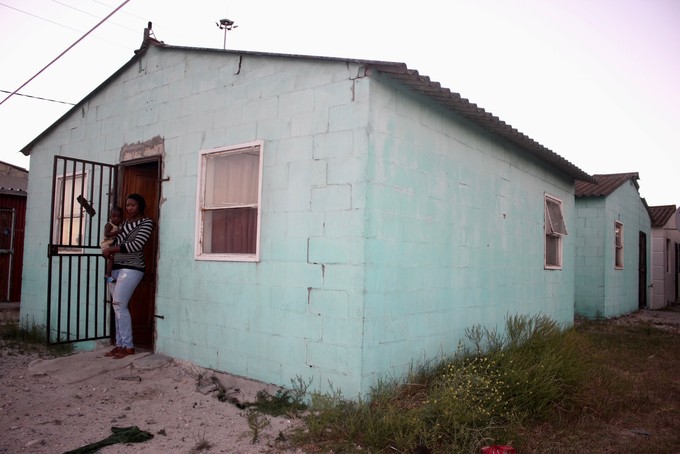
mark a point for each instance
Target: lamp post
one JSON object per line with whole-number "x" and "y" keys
{"x": 226, "y": 25}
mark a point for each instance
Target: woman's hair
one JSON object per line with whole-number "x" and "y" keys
{"x": 140, "y": 201}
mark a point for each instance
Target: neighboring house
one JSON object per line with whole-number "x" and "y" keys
{"x": 13, "y": 185}
{"x": 612, "y": 231}
{"x": 665, "y": 255}
{"x": 327, "y": 218}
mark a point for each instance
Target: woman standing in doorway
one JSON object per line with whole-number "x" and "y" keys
{"x": 127, "y": 251}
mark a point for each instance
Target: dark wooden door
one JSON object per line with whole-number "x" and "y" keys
{"x": 642, "y": 271}
{"x": 144, "y": 179}
{"x": 7, "y": 228}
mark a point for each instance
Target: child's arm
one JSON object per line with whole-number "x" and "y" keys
{"x": 109, "y": 231}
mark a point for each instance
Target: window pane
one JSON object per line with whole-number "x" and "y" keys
{"x": 230, "y": 231}
{"x": 552, "y": 250}
{"x": 555, "y": 218}
{"x": 231, "y": 179}
{"x": 70, "y": 236}
{"x": 618, "y": 244}
{"x": 618, "y": 234}
{"x": 68, "y": 225}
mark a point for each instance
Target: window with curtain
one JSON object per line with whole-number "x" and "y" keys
{"x": 555, "y": 229}
{"x": 229, "y": 203}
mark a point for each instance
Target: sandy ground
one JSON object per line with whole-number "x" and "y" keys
{"x": 46, "y": 411}
{"x": 667, "y": 319}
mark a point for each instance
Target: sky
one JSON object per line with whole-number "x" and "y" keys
{"x": 595, "y": 81}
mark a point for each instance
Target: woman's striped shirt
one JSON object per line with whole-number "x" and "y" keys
{"x": 131, "y": 239}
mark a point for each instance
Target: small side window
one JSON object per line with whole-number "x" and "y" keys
{"x": 618, "y": 245}
{"x": 555, "y": 229}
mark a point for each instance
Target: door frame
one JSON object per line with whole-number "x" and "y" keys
{"x": 133, "y": 174}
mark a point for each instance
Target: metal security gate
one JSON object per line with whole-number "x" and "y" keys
{"x": 77, "y": 300}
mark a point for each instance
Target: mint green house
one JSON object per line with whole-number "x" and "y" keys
{"x": 665, "y": 265}
{"x": 328, "y": 218}
{"x": 613, "y": 246}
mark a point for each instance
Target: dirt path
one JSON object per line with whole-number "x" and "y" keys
{"x": 41, "y": 414}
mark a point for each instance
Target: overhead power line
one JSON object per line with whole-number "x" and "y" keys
{"x": 38, "y": 97}
{"x": 38, "y": 17}
{"x": 61, "y": 54}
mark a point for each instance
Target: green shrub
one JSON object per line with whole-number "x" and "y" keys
{"x": 481, "y": 395}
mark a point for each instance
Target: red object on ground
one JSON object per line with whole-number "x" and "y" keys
{"x": 497, "y": 449}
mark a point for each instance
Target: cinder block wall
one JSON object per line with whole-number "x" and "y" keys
{"x": 455, "y": 234}
{"x": 298, "y": 311}
{"x": 602, "y": 290}
{"x": 591, "y": 221}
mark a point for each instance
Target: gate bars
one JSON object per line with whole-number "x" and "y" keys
{"x": 83, "y": 192}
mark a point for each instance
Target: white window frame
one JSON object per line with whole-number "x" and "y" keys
{"x": 618, "y": 245}
{"x": 555, "y": 229}
{"x": 66, "y": 179}
{"x": 202, "y": 209}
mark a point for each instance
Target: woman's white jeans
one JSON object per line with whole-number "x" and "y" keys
{"x": 121, "y": 292}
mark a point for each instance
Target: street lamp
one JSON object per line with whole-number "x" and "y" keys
{"x": 226, "y": 25}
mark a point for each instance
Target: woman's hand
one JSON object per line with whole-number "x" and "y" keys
{"x": 110, "y": 251}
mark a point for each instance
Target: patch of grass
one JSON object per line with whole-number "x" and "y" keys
{"x": 285, "y": 401}
{"x": 630, "y": 401}
{"x": 201, "y": 443}
{"x": 485, "y": 394}
{"x": 25, "y": 338}
{"x": 597, "y": 387}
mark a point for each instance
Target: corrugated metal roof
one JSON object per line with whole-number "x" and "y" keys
{"x": 456, "y": 103}
{"x": 13, "y": 179}
{"x": 661, "y": 214}
{"x": 400, "y": 73}
{"x": 13, "y": 191}
{"x": 604, "y": 184}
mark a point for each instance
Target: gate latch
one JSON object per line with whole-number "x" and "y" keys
{"x": 52, "y": 249}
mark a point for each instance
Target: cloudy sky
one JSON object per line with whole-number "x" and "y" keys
{"x": 596, "y": 81}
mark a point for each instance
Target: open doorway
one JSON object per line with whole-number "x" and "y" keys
{"x": 144, "y": 178}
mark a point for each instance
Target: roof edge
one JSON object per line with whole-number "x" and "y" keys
{"x": 397, "y": 71}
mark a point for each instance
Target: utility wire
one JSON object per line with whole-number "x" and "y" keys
{"x": 94, "y": 15}
{"x": 60, "y": 55}
{"x": 38, "y": 97}
{"x": 68, "y": 27}
{"x": 38, "y": 17}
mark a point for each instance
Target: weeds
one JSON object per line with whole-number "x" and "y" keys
{"x": 285, "y": 401}
{"x": 482, "y": 395}
{"x": 257, "y": 421}
{"x": 288, "y": 402}
{"x": 201, "y": 443}
{"x": 24, "y": 338}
